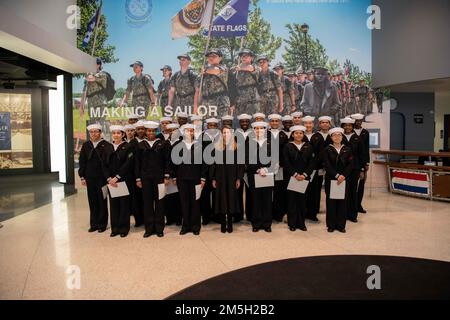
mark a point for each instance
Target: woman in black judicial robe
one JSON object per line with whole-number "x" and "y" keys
{"x": 226, "y": 174}
{"x": 119, "y": 161}
{"x": 338, "y": 163}
{"x": 189, "y": 174}
{"x": 298, "y": 163}
{"x": 355, "y": 143}
{"x": 152, "y": 170}
{"x": 91, "y": 162}
{"x": 257, "y": 150}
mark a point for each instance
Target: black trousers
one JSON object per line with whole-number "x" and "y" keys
{"x": 153, "y": 207}
{"x": 190, "y": 208}
{"x": 313, "y": 196}
{"x": 296, "y": 210}
{"x": 279, "y": 200}
{"x": 336, "y": 209}
{"x": 137, "y": 204}
{"x": 120, "y": 213}
{"x": 262, "y": 207}
{"x": 352, "y": 201}
{"x": 361, "y": 184}
{"x": 172, "y": 208}
{"x": 206, "y": 203}
{"x": 98, "y": 206}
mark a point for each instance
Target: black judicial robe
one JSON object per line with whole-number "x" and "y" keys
{"x": 337, "y": 164}
{"x": 91, "y": 163}
{"x": 297, "y": 162}
{"x": 226, "y": 174}
{"x": 261, "y": 197}
{"x": 356, "y": 145}
{"x": 151, "y": 167}
{"x": 119, "y": 164}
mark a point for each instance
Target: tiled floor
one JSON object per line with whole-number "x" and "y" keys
{"x": 38, "y": 247}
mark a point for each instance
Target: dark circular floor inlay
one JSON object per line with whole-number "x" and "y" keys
{"x": 329, "y": 277}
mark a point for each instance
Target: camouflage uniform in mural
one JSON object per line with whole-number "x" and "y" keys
{"x": 139, "y": 86}
{"x": 97, "y": 102}
{"x": 215, "y": 91}
{"x": 269, "y": 83}
{"x": 245, "y": 91}
{"x": 184, "y": 85}
{"x": 363, "y": 105}
{"x": 163, "y": 92}
{"x": 288, "y": 88}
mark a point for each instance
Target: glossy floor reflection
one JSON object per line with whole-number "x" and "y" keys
{"x": 41, "y": 251}
{"x": 20, "y": 194}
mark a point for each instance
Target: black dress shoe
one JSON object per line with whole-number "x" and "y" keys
{"x": 230, "y": 228}
{"x": 92, "y": 229}
{"x": 303, "y": 228}
{"x": 100, "y": 230}
{"x": 255, "y": 230}
{"x": 361, "y": 210}
{"x": 183, "y": 232}
{"x": 147, "y": 234}
{"x": 292, "y": 229}
{"x": 114, "y": 234}
{"x": 342, "y": 230}
{"x": 196, "y": 233}
{"x": 269, "y": 229}
{"x": 160, "y": 235}
{"x": 123, "y": 235}
{"x": 223, "y": 228}
{"x": 330, "y": 230}
{"x": 353, "y": 220}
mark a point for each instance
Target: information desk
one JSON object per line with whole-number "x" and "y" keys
{"x": 430, "y": 180}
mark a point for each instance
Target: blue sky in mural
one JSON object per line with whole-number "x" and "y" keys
{"x": 340, "y": 25}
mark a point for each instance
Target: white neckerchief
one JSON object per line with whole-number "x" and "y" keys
{"x": 116, "y": 146}
{"x": 299, "y": 146}
{"x": 288, "y": 133}
{"x": 189, "y": 144}
{"x": 338, "y": 150}
{"x": 260, "y": 141}
{"x": 139, "y": 140}
{"x": 309, "y": 135}
{"x": 358, "y": 131}
{"x": 324, "y": 135}
{"x": 244, "y": 133}
{"x": 348, "y": 136}
{"x": 275, "y": 132}
{"x": 166, "y": 135}
{"x": 151, "y": 143}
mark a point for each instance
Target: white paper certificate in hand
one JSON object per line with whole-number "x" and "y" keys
{"x": 263, "y": 182}
{"x": 120, "y": 191}
{"x": 297, "y": 186}
{"x": 337, "y": 192}
{"x": 198, "y": 191}
{"x": 161, "y": 190}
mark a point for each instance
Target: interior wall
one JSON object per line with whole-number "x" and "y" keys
{"x": 441, "y": 107}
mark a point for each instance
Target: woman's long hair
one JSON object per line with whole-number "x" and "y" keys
{"x": 220, "y": 145}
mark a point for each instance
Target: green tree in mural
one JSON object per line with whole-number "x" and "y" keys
{"x": 296, "y": 54}
{"x": 102, "y": 49}
{"x": 259, "y": 39}
{"x": 355, "y": 73}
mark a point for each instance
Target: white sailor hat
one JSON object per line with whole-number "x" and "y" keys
{"x": 336, "y": 130}
{"x": 165, "y": 119}
{"x": 196, "y": 118}
{"x": 287, "y": 118}
{"x": 297, "y": 128}
{"x": 140, "y": 123}
{"x": 212, "y": 120}
{"x": 297, "y": 114}
{"x": 259, "y": 115}
{"x": 308, "y": 119}
{"x": 227, "y": 118}
{"x": 187, "y": 126}
{"x": 182, "y": 115}
{"x": 129, "y": 127}
{"x": 116, "y": 128}
{"x": 357, "y": 116}
{"x": 151, "y": 125}
{"x": 244, "y": 116}
{"x": 94, "y": 126}
{"x": 173, "y": 126}
{"x": 133, "y": 116}
{"x": 274, "y": 116}
{"x": 325, "y": 118}
{"x": 259, "y": 124}
{"x": 347, "y": 120}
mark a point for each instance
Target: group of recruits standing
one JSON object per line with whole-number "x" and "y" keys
{"x": 142, "y": 154}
